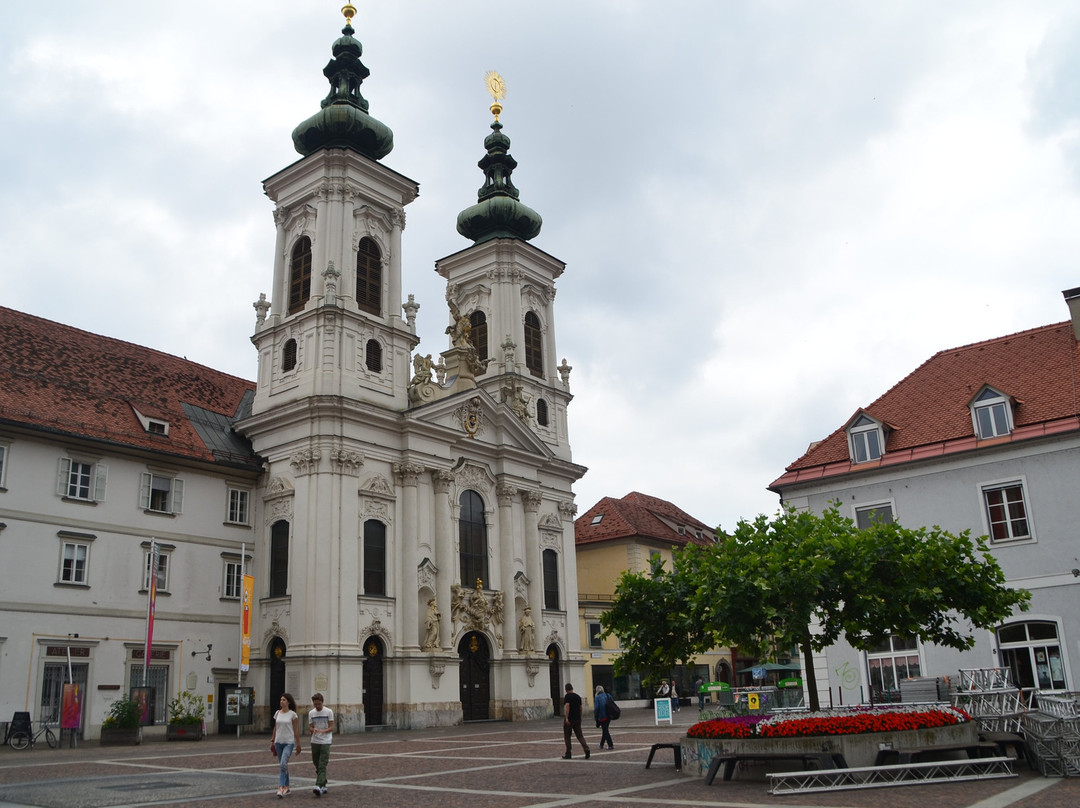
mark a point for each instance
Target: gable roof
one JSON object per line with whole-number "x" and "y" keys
{"x": 928, "y": 412}
{"x": 640, "y": 516}
{"x": 66, "y": 381}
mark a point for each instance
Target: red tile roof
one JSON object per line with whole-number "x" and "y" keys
{"x": 60, "y": 379}
{"x": 637, "y": 516}
{"x": 928, "y": 411}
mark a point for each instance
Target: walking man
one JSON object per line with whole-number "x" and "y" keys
{"x": 572, "y": 720}
{"x": 321, "y": 727}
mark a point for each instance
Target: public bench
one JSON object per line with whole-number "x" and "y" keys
{"x": 914, "y": 754}
{"x": 822, "y": 760}
{"x": 677, "y": 749}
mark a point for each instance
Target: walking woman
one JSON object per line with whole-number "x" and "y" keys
{"x": 601, "y": 700}
{"x": 285, "y": 738}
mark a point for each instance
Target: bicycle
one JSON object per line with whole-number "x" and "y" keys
{"x": 23, "y": 739}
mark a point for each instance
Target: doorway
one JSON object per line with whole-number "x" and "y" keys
{"x": 373, "y": 682}
{"x": 475, "y": 672}
{"x": 555, "y": 679}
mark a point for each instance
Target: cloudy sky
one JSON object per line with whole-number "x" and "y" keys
{"x": 770, "y": 212}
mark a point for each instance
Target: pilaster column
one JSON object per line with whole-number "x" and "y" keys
{"x": 506, "y": 493}
{"x": 279, "y": 292}
{"x": 409, "y": 474}
{"x": 322, "y": 237}
{"x": 444, "y": 548}
{"x": 533, "y": 567}
{"x": 393, "y": 305}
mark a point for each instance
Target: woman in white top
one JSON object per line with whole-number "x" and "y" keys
{"x": 285, "y": 738}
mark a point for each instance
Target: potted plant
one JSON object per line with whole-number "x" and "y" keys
{"x": 123, "y": 724}
{"x": 185, "y": 718}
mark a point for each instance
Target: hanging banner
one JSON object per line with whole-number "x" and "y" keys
{"x": 71, "y": 707}
{"x": 245, "y": 622}
{"x": 151, "y": 605}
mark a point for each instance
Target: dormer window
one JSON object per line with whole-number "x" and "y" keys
{"x": 866, "y": 439}
{"x": 991, "y": 413}
{"x": 155, "y": 426}
{"x": 597, "y": 519}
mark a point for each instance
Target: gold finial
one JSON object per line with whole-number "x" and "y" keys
{"x": 496, "y": 87}
{"x": 349, "y": 10}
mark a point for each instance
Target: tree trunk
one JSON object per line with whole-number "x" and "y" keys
{"x": 808, "y": 671}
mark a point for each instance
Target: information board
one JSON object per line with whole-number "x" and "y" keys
{"x": 662, "y": 710}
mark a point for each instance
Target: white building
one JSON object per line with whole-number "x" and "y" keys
{"x": 401, "y": 512}
{"x": 986, "y": 438}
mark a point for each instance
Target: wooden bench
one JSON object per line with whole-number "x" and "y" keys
{"x": 1008, "y": 744}
{"x": 914, "y": 754}
{"x": 823, "y": 760}
{"x": 677, "y": 748}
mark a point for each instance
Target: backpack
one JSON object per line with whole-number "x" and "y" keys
{"x": 612, "y": 709}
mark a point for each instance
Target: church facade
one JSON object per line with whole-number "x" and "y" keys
{"x": 410, "y": 518}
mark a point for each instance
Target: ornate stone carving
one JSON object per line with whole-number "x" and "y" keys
{"x": 550, "y": 521}
{"x": 377, "y": 484}
{"x": 521, "y": 587}
{"x": 377, "y": 510}
{"x": 564, "y": 372}
{"x": 344, "y": 461}
{"x": 471, "y": 417}
{"x": 330, "y": 280}
{"x": 531, "y": 669}
{"x": 441, "y": 479}
{"x": 431, "y": 627}
{"x": 408, "y": 472}
{"x": 527, "y": 632}
{"x": 474, "y": 477}
{"x": 506, "y": 493}
{"x": 474, "y": 611}
{"x": 306, "y": 461}
{"x": 516, "y": 400}
{"x": 411, "y": 307}
{"x": 375, "y": 628}
{"x": 567, "y": 510}
{"x": 426, "y": 573}
{"x": 261, "y": 306}
{"x": 532, "y": 500}
{"x": 436, "y": 670}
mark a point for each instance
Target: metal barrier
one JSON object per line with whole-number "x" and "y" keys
{"x": 905, "y": 774}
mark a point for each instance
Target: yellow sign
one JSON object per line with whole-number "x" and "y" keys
{"x": 245, "y": 622}
{"x": 753, "y": 701}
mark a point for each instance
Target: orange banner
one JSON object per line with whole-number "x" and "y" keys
{"x": 245, "y": 622}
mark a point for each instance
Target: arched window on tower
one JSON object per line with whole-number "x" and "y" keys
{"x": 472, "y": 536}
{"x": 478, "y": 335}
{"x": 288, "y": 355}
{"x": 369, "y": 277}
{"x": 300, "y": 275}
{"x": 374, "y": 557}
{"x": 551, "y": 579}
{"x": 373, "y": 356}
{"x": 541, "y": 412}
{"x": 279, "y": 559}
{"x": 534, "y": 353}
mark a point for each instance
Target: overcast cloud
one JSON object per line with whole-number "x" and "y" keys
{"x": 770, "y": 212}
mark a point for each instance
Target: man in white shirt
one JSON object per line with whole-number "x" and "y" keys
{"x": 321, "y": 727}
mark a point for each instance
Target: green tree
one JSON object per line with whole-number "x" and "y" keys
{"x": 649, "y": 616}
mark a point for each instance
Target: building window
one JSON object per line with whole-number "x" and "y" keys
{"x": 161, "y": 494}
{"x": 865, "y": 440}
{"x": 478, "y": 334}
{"x": 369, "y": 277}
{"x": 892, "y": 660}
{"x": 279, "y": 559}
{"x": 300, "y": 275}
{"x": 288, "y": 355}
{"x": 374, "y": 558}
{"x": 3, "y": 464}
{"x": 82, "y": 481}
{"x": 157, "y": 679}
{"x": 879, "y": 514}
{"x": 1006, "y": 512}
{"x": 472, "y": 536}
{"x": 74, "y": 563}
{"x": 233, "y": 580}
{"x": 551, "y": 579}
{"x": 162, "y": 570}
{"x": 597, "y": 519}
{"x": 991, "y": 414}
{"x": 237, "y": 506}
{"x": 1032, "y": 653}
{"x": 595, "y": 632}
{"x": 534, "y": 353}
{"x": 541, "y": 412}
{"x": 373, "y": 356}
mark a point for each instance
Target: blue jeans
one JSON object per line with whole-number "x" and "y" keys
{"x": 284, "y": 752}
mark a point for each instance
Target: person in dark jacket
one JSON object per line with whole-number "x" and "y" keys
{"x": 572, "y": 720}
{"x": 601, "y": 700}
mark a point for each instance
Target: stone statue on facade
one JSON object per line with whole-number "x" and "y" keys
{"x": 431, "y": 626}
{"x": 527, "y": 629}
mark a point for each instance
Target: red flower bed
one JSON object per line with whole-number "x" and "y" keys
{"x": 837, "y": 722}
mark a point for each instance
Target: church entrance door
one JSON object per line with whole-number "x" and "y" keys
{"x": 474, "y": 674}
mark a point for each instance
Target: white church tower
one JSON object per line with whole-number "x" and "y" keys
{"x": 415, "y": 559}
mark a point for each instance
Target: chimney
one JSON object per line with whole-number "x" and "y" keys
{"x": 1072, "y": 297}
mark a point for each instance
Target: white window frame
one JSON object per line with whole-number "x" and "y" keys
{"x": 858, "y": 439}
{"x": 232, "y": 577}
{"x": 96, "y": 475}
{"x": 595, "y": 639}
{"x": 1032, "y": 647}
{"x": 998, "y": 408}
{"x": 76, "y": 542}
{"x": 147, "y": 485}
{"x": 868, "y": 507}
{"x": 893, "y": 654}
{"x": 988, "y": 524}
{"x": 164, "y": 566}
{"x": 234, "y": 495}
{"x": 154, "y": 426}
{"x": 3, "y": 464}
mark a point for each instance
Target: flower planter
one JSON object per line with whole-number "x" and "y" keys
{"x": 857, "y": 749}
{"x": 121, "y": 736}
{"x": 184, "y": 732}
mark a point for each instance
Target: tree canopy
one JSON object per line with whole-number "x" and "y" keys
{"x": 803, "y": 579}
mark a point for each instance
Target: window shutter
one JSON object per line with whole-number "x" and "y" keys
{"x": 144, "y": 491}
{"x": 177, "y": 496}
{"x": 62, "y": 476}
{"x": 101, "y": 473}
